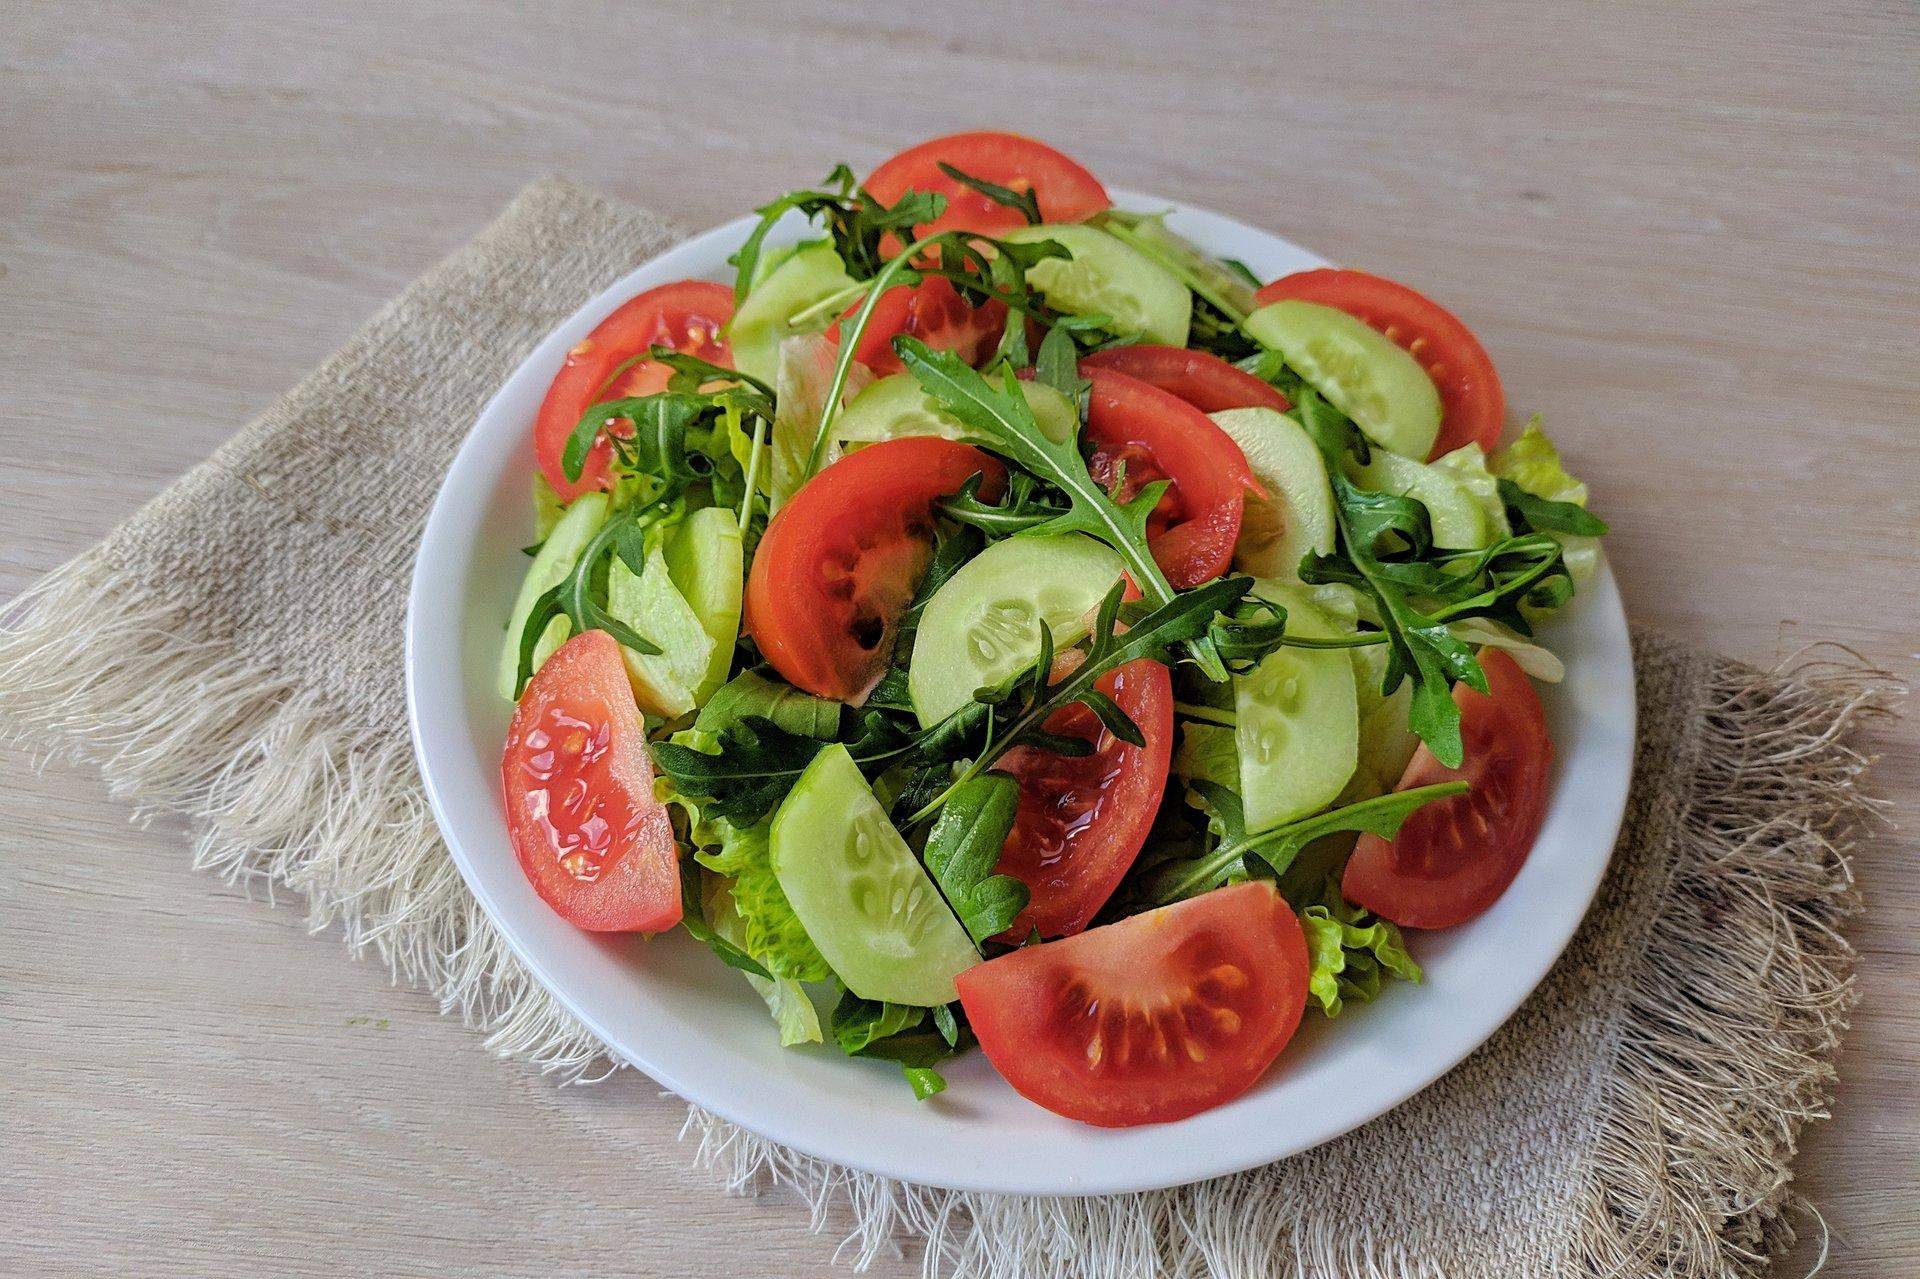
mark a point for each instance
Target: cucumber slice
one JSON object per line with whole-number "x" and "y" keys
{"x": 550, "y": 566}
{"x": 663, "y": 682}
{"x": 1296, "y": 515}
{"x": 1106, "y": 277}
{"x": 707, "y": 563}
{"x": 983, "y": 624}
{"x": 860, "y": 892}
{"x": 895, "y": 406}
{"x": 1296, "y": 719}
{"x": 1360, "y": 371}
{"x": 1459, "y": 520}
{"x": 810, "y": 274}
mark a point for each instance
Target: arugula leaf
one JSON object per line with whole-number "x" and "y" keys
{"x": 897, "y": 1033}
{"x": 1549, "y": 516}
{"x": 1025, "y": 203}
{"x": 1002, "y": 420}
{"x": 757, "y": 762}
{"x": 1019, "y": 510}
{"x": 1277, "y": 847}
{"x": 963, "y": 848}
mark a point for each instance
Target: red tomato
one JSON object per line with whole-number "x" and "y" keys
{"x": 932, "y": 311}
{"x": 1066, "y": 192}
{"x": 687, "y": 316}
{"x": 1205, "y": 381}
{"x": 1154, "y": 1018}
{"x": 1162, "y": 437}
{"x": 839, "y": 562}
{"x": 589, "y": 834}
{"x": 1473, "y": 407}
{"x": 1082, "y": 819}
{"x": 1453, "y": 858}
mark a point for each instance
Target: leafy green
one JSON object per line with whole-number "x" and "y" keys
{"x": 693, "y": 917}
{"x": 858, "y": 1023}
{"x": 1021, "y": 508}
{"x": 1547, "y": 515}
{"x": 1533, "y": 465}
{"x": 1002, "y": 420}
{"x": 898, "y": 1033}
{"x": 856, "y": 222}
{"x": 771, "y": 932}
{"x": 751, "y": 693}
{"x": 1226, "y": 286}
{"x": 1277, "y": 847}
{"x": 963, "y": 848}
{"x": 1025, "y": 203}
{"x": 1350, "y": 952}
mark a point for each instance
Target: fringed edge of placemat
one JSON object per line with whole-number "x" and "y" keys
{"x": 278, "y": 794}
{"x": 1729, "y": 1069}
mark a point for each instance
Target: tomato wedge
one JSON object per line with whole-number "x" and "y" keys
{"x": 1065, "y": 191}
{"x": 1205, "y": 381}
{"x": 1159, "y": 436}
{"x": 932, "y": 311}
{"x": 585, "y": 826}
{"x": 1082, "y": 819}
{"x": 1473, "y": 405}
{"x": 839, "y": 562}
{"x": 687, "y": 316}
{"x": 1453, "y": 858}
{"x": 1150, "y": 1019}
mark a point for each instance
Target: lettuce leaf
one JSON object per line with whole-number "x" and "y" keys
{"x": 1350, "y": 952}
{"x": 769, "y": 930}
{"x": 793, "y": 1010}
{"x": 1534, "y": 464}
{"x": 1468, "y": 465}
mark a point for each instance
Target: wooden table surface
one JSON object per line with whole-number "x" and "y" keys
{"x": 1688, "y": 234}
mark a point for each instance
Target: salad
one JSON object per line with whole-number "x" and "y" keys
{"x": 992, "y": 621}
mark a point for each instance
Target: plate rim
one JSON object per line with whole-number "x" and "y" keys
{"x": 424, "y": 692}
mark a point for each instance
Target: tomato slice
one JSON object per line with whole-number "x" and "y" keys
{"x": 687, "y": 316}
{"x": 1083, "y": 818}
{"x": 932, "y": 311}
{"x": 1205, "y": 381}
{"x": 1159, "y": 436}
{"x": 839, "y": 562}
{"x": 1453, "y": 858}
{"x": 1473, "y": 405}
{"x": 585, "y": 826}
{"x": 1153, "y": 1018}
{"x": 1065, "y": 191}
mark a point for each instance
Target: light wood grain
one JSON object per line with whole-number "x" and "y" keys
{"x": 1687, "y": 233}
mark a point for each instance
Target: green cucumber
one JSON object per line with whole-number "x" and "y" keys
{"x": 1459, "y": 519}
{"x": 1360, "y": 371}
{"x": 651, "y": 604}
{"x": 1296, "y": 514}
{"x": 551, "y": 564}
{"x": 1110, "y": 278}
{"x": 1296, "y": 718}
{"x": 895, "y": 406}
{"x": 983, "y": 624}
{"x": 809, "y": 274}
{"x": 707, "y": 562}
{"x": 859, "y": 891}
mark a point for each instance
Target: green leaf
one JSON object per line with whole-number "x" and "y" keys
{"x": 1549, "y": 516}
{"x": 771, "y": 933}
{"x": 857, "y": 1024}
{"x": 694, "y": 918}
{"x": 1025, "y": 203}
{"x": 1058, "y": 364}
{"x": 750, "y": 693}
{"x": 1278, "y": 846}
{"x": 964, "y": 847}
{"x": 1001, "y": 420}
{"x": 924, "y": 1080}
{"x": 944, "y": 1022}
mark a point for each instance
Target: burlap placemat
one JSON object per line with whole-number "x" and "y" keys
{"x": 233, "y": 653}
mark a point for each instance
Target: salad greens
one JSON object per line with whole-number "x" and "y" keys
{"x": 1409, "y": 618}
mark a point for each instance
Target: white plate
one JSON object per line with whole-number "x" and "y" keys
{"x": 674, "y": 1011}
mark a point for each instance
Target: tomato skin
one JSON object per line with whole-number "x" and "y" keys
{"x": 1473, "y": 404}
{"x": 687, "y": 316}
{"x": 1065, "y": 191}
{"x": 1083, "y": 819}
{"x": 1205, "y": 381}
{"x": 839, "y": 562}
{"x": 1453, "y": 858}
{"x": 578, "y": 783}
{"x": 932, "y": 311}
{"x": 1160, "y": 436}
{"x": 1151, "y": 1019}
